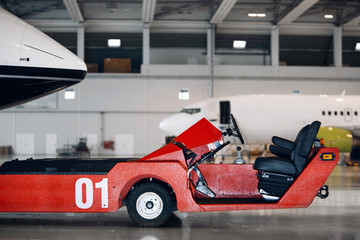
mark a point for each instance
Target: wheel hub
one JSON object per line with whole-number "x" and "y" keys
{"x": 149, "y": 205}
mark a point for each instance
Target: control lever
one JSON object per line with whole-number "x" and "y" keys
{"x": 210, "y": 154}
{"x": 187, "y": 153}
{"x": 201, "y": 185}
{"x": 239, "y": 160}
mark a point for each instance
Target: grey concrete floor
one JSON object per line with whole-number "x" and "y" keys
{"x": 337, "y": 217}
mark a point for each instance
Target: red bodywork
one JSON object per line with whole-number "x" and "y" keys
{"x": 235, "y": 185}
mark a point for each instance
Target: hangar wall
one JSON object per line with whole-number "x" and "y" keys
{"x": 198, "y": 56}
{"x": 107, "y": 105}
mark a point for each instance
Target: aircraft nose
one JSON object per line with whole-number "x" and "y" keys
{"x": 168, "y": 125}
{"x": 44, "y": 52}
{"x": 177, "y": 123}
{"x": 79, "y": 64}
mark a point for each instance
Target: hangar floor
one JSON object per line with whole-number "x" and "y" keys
{"x": 337, "y": 217}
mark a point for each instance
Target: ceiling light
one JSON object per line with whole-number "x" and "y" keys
{"x": 357, "y": 46}
{"x": 239, "y": 44}
{"x": 114, "y": 42}
{"x": 256, "y": 14}
{"x": 328, "y": 16}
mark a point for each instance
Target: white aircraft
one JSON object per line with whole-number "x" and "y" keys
{"x": 262, "y": 116}
{"x": 32, "y": 64}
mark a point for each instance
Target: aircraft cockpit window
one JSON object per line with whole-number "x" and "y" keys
{"x": 191, "y": 110}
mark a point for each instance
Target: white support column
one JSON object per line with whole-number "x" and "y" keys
{"x": 81, "y": 42}
{"x": 275, "y": 45}
{"x": 146, "y": 44}
{"x": 210, "y": 45}
{"x": 338, "y": 47}
{"x": 210, "y": 57}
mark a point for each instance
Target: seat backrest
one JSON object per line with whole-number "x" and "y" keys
{"x": 280, "y": 152}
{"x": 282, "y": 143}
{"x": 281, "y": 147}
{"x": 303, "y": 145}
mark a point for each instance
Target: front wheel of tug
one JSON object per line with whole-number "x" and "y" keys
{"x": 149, "y": 205}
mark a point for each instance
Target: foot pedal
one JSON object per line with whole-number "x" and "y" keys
{"x": 202, "y": 188}
{"x": 268, "y": 197}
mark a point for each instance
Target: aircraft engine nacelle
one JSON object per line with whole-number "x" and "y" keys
{"x": 336, "y": 137}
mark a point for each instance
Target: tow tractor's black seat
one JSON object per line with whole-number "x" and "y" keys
{"x": 281, "y": 147}
{"x": 292, "y": 162}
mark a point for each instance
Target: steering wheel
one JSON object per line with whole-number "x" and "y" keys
{"x": 236, "y": 128}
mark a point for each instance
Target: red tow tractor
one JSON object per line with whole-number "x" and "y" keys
{"x": 173, "y": 178}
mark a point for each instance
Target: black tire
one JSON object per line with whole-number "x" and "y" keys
{"x": 149, "y": 205}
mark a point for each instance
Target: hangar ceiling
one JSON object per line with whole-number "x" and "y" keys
{"x": 302, "y": 23}
{"x": 213, "y": 11}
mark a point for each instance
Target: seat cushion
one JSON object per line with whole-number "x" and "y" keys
{"x": 275, "y": 165}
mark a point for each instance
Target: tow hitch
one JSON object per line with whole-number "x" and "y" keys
{"x": 323, "y": 192}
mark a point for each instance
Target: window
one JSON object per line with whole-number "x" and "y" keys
{"x": 335, "y": 113}
{"x": 355, "y": 113}
{"x": 329, "y": 113}
{"x": 341, "y": 113}
{"x": 69, "y": 94}
{"x": 239, "y": 44}
{"x": 323, "y": 113}
{"x": 191, "y": 110}
{"x": 357, "y": 46}
{"x": 114, "y": 42}
{"x": 184, "y": 94}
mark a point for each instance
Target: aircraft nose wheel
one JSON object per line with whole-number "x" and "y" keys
{"x": 323, "y": 192}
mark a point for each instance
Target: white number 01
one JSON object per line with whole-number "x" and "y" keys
{"x": 89, "y": 193}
